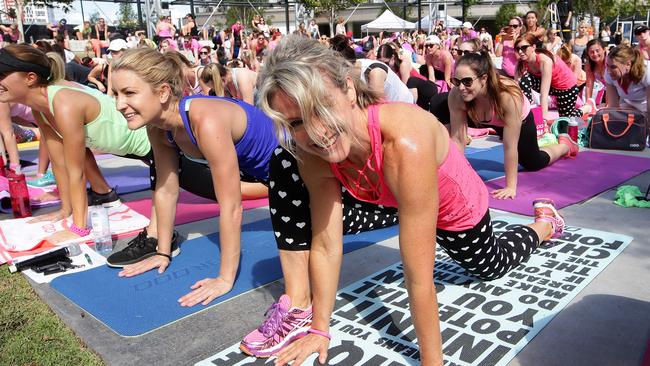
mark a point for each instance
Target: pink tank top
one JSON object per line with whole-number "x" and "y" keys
{"x": 463, "y": 197}
{"x": 562, "y": 77}
{"x": 509, "y": 62}
{"x": 496, "y": 121}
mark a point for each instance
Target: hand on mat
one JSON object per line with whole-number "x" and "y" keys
{"x": 52, "y": 216}
{"x": 62, "y": 236}
{"x": 299, "y": 350}
{"x": 47, "y": 197}
{"x": 504, "y": 193}
{"x": 156, "y": 261}
{"x": 205, "y": 291}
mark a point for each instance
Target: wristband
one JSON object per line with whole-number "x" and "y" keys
{"x": 320, "y": 333}
{"x": 79, "y": 231}
{"x": 164, "y": 255}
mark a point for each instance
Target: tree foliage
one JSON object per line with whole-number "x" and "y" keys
{"x": 65, "y": 5}
{"x": 127, "y": 16}
{"x": 504, "y": 14}
{"x": 605, "y": 9}
{"x": 244, "y": 15}
{"x": 331, "y": 8}
{"x": 94, "y": 17}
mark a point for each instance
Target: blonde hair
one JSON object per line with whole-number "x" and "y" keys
{"x": 212, "y": 73}
{"x": 154, "y": 68}
{"x": 299, "y": 67}
{"x": 50, "y": 60}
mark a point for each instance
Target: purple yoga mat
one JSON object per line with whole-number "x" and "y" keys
{"x": 569, "y": 181}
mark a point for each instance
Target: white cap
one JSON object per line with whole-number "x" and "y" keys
{"x": 468, "y": 25}
{"x": 118, "y": 45}
{"x": 433, "y": 39}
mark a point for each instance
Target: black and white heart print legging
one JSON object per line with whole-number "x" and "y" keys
{"x": 484, "y": 255}
{"x": 477, "y": 249}
{"x": 289, "y": 204}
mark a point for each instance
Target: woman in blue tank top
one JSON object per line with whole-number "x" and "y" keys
{"x": 224, "y": 146}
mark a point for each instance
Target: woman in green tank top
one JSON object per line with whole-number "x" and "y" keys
{"x": 72, "y": 119}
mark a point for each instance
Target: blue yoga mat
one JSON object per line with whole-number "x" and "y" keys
{"x": 137, "y": 305}
{"x": 488, "y": 163}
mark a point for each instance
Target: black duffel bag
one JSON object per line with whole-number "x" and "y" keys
{"x": 618, "y": 129}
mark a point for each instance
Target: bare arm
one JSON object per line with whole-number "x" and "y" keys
{"x": 612, "y": 96}
{"x": 377, "y": 80}
{"x": 70, "y": 119}
{"x": 447, "y": 60}
{"x": 94, "y": 76}
{"x": 246, "y": 86}
{"x": 511, "y": 132}
{"x": 7, "y": 132}
{"x": 404, "y": 158}
{"x": 546, "y": 65}
{"x": 590, "y": 81}
{"x": 165, "y": 197}
{"x": 458, "y": 116}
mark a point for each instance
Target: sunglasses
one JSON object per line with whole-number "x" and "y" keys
{"x": 428, "y": 45}
{"x": 467, "y": 82}
{"x": 464, "y": 52}
{"x": 204, "y": 53}
{"x": 513, "y": 25}
{"x": 522, "y": 48}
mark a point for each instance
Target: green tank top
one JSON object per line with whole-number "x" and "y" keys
{"x": 109, "y": 132}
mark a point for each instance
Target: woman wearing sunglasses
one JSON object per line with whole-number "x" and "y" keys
{"x": 488, "y": 100}
{"x": 439, "y": 64}
{"x": 204, "y": 56}
{"x": 506, "y": 47}
{"x": 388, "y": 156}
{"x": 546, "y": 74}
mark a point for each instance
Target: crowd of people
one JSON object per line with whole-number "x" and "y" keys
{"x": 343, "y": 136}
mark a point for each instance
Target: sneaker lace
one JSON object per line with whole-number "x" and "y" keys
{"x": 139, "y": 242}
{"x": 274, "y": 317}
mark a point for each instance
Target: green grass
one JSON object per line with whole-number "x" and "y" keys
{"x": 30, "y": 333}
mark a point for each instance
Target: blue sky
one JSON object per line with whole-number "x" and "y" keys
{"x": 108, "y": 11}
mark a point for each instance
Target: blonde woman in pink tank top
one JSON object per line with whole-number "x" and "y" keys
{"x": 390, "y": 155}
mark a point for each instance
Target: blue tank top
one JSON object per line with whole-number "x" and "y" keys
{"x": 256, "y": 145}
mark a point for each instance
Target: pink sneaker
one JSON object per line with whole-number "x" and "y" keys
{"x": 545, "y": 211}
{"x": 282, "y": 326}
{"x": 574, "y": 149}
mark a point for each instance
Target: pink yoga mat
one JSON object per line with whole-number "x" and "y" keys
{"x": 192, "y": 208}
{"x": 570, "y": 181}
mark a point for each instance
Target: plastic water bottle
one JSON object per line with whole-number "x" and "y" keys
{"x": 101, "y": 230}
{"x": 19, "y": 195}
{"x": 572, "y": 130}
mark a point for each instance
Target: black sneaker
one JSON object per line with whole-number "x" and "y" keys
{"x": 139, "y": 248}
{"x": 110, "y": 199}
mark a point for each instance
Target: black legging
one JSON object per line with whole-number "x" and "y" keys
{"x": 530, "y": 156}
{"x": 426, "y": 90}
{"x": 476, "y": 249}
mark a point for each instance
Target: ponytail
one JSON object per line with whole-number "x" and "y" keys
{"x": 57, "y": 67}
{"x": 623, "y": 54}
{"x": 212, "y": 73}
